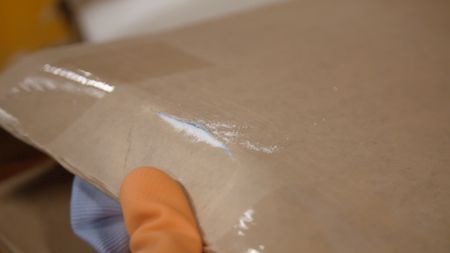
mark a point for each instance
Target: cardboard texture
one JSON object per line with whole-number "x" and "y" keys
{"x": 306, "y": 126}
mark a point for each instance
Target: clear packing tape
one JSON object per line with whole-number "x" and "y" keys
{"x": 298, "y": 127}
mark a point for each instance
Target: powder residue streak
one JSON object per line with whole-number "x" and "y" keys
{"x": 195, "y": 130}
{"x": 216, "y": 134}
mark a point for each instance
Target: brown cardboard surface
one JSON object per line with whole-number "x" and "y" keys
{"x": 316, "y": 126}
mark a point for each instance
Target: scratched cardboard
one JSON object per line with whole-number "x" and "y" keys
{"x": 308, "y": 126}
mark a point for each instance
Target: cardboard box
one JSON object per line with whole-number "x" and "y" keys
{"x": 307, "y": 126}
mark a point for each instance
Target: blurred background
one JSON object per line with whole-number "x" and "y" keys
{"x": 34, "y": 192}
{"x": 28, "y": 25}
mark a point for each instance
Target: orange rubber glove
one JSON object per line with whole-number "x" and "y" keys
{"x": 157, "y": 214}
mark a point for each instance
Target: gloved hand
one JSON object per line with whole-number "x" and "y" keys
{"x": 156, "y": 215}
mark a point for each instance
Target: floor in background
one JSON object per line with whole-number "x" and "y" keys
{"x": 34, "y": 213}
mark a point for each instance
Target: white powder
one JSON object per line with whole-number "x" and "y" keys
{"x": 216, "y": 134}
{"x": 245, "y": 219}
{"x": 197, "y": 131}
{"x": 257, "y": 147}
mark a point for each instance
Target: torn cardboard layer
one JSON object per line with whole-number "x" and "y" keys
{"x": 304, "y": 126}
